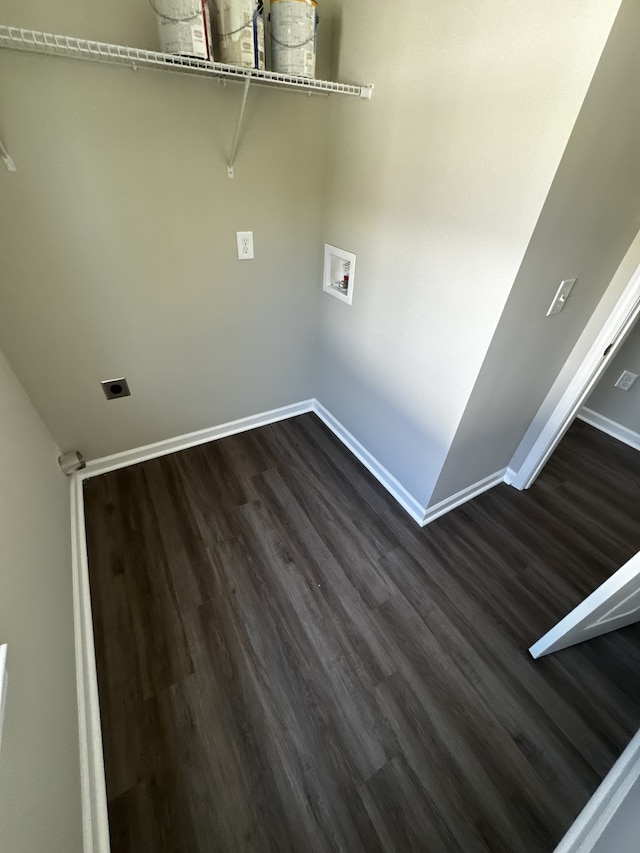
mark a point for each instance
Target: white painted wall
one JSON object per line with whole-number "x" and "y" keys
{"x": 437, "y": 187}
{"x": 117, "y": 237}
{"x": 39, "y": 764}
{"x": 620, "y": 407}
{"x": 589, "y": 220}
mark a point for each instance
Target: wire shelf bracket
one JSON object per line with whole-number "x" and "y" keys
{"x": 33, "y": 41}
{"x": 236, "y": 139}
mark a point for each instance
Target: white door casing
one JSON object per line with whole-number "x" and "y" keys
{"x": 608, "y": 822}
{"x": 605, "y": 346}
{"x": 614, "y": 604}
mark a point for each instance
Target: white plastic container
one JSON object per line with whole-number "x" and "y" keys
{"x": 184, "y": 27}
{"x": 294, "y": 27}
{"x": 239, "y": 32}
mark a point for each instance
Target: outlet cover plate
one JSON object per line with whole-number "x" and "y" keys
{"x": 626, "y": 380}
{"x": 245, "y": 245}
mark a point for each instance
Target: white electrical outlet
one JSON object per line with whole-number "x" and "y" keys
{"x": 626, "y": 380}
{"x": 245, "y": 245}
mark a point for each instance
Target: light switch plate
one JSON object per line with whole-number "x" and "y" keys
{"x": 561, "y": 296}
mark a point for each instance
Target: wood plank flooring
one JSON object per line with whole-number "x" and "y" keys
{"x": 286, "y": 662}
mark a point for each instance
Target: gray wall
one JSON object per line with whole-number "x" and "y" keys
{"x": 589, "y": 220}
{"x": 437, "y": 187}
{"x": 117, "y": 233}
{"x": 621, "y": 407}
{"x": 39, "y": 763}
{"x": 117, "y": 237}
{"x": 623, "y": 275}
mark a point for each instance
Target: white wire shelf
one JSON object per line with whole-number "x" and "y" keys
{"x": 33, "y": 41}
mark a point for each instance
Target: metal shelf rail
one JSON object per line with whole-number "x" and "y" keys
{"x": 33, "y": 41}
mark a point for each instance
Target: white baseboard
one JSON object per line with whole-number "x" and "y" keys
{"x": 593, "y": 819}
{"x": 94, "y": 799}
{"x": 416, "y": 510}
{"x": 623, "y": 780}
{"x": 604, "y": 424}
{"x": 95, "y": 823}
{"x": 182, "y": 442}
{"x": 510, "y": 478}
{"x": 393, "y": 486}
{"x": 192, "y": 439}
{"x": 461, "y": 497}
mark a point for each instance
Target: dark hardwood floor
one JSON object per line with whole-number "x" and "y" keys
{"x": 287, "y": 662}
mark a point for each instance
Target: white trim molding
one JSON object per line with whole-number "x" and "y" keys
{"x": 191, "y": 439}
{"x": 423, "y": 515}
{"x": 95, "y": 823}
{"x": 509, "y": 476}
{"x": 464, "y": 495}
{"x": 418, "y": 512}
{"x": 621, "y": 781}
{"x": 94, "y": 798}
{"x": 606, "y": 344}
{"x": 93, "y": 786}
{"x": 615, "y": 430}
{"x": 393, "y": 486}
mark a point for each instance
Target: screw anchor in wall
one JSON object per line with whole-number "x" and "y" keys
{"x": 9, "y": 165}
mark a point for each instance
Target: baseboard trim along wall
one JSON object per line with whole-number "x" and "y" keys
{"x": 461, "y": 497}
{"x": 510, "y": 476}
{"x": 393, "y": 486}
{"x": 623, "y": 780}
{"x": 192, "y": 439}
{"x": 94, "y": 796}
{"x": 421, "y": 514}
{"x": 95, "y": 823}
{"x": 604, "y": 424}
{"x": 183, "y": 442}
